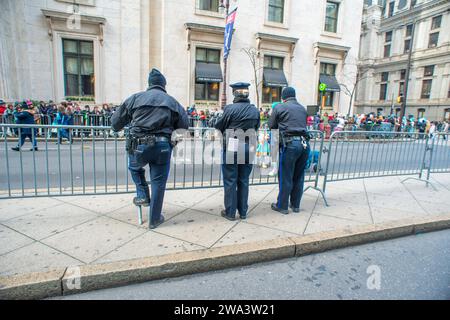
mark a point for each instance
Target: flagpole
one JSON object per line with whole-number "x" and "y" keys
{"x": 224, "y": 4}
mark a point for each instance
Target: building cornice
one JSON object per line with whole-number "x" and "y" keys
{"x": 408, "y": 16}
{"x": 53, "y": 16}
{"x": 64, "y": 16}
{"x": 276, "y": 38}
{"x": 204, "y": 28}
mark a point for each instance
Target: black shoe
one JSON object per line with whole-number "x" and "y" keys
{"x": 224, "y": 214}
{"x": 34, "y": 149}
{"x": 275, "y": 208}
{"x": 15, "y": 149}
{"x": 243, "y": 217}
{"x": 154, "y": 225}
{"x": 296, "y": 210}
{"x": 138, "y": 202}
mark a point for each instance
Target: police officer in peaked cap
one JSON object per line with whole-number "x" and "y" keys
{"x": 152, "y": 116}
{"x": 290, "y": 119}
{"x": 238, "y": 162}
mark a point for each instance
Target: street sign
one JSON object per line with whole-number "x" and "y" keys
{"x": 322, "y": 87}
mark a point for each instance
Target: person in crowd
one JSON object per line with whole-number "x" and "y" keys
{"x": 290, "y": 119}
{"x": 63, "y": 119}
{"x": 237, "y": 155}
{"x": 153, "y": 116}
{"x": 25, "y": 115}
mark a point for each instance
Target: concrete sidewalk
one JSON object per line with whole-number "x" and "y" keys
{"x": 46, "y": 234}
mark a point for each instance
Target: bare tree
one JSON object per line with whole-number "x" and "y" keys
{"x": 253, "y": 56}
{"x": 350, "y": 90}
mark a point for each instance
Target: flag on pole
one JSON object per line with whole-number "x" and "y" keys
{"x": 229, "y": 32}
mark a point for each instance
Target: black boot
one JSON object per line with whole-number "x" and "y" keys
{"x": 138, "y": 202}
{"x": 275, "y": 208}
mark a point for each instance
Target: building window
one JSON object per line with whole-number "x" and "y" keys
{"x": 434, "y": 38}
{"x": 402, "y": 74}
{"x": 387, "y": 44}
{"x": 426, "y": 89}
{"x": 391, "y": 9}
{"x": 384, "y": 86}
{"x": 79, "y": 78}
{"x": 407, "y": 46}
{"x": 420, "y": 113}
{"x": 207, "y": 91}
{"x": 447, "y": 115}
{"x": 276, "y": 11}
{"x": 428, "y": 71}
{"x": 272, "y": 94}
{"x": 436, "y": 23}
{"x": 409, "y": 29}
{"x": 208, "y": 5}
{"x": 328, "y": 69}
{"x": 331, "y": 18}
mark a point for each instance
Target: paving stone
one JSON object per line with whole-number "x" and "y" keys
{"x": 196, "y": 227}
{"x": 321, "y": 223}
{"x": 129, "y": 214}
{"x": 188, "y": 198}
{"x": 10, "y": 209}
{"x": 381, "y": 215}
{"x": 345, "y": 210}
{"x": 148, "y": 245}
{"x": 12, "y": 240}
{"x": 246, "y": 232}
{"x": 94, "y": 239}
{"x": 34, "y": 258}
{"x": 44, "y": 223}
{"x": 100, "y": 204}
{"x": 406, "y": 202}
{"x": 263, "y": 215}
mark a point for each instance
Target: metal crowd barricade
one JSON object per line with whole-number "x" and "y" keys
{"x": 368, "y": 154}
{"x": 440, "y": 154}
{"x": 90, "y": 165}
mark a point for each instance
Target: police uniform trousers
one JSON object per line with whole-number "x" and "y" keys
{"x": 236, "y": 182}
{"x": 293, "y": 160}
{"x": 157, "y": 156}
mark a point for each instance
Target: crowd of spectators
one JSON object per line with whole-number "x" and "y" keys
{"x": 71, "y": 113}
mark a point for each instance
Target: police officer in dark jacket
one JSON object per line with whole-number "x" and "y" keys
{"x": 290, "y": 118}
{"x": 152, "y": 116}
{"x": 238, "y": 158}
{"x": 26, "y": 116}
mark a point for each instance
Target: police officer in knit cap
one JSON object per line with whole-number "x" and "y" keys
{"x": 238, "y": 124}
{"x": 152, "y": 116}
{"x": 290, "y": 119}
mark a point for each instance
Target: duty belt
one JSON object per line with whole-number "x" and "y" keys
{"x": 303, "y": 139}
{"x": 151, "y": 140}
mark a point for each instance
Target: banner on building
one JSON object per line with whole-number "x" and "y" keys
{"x": 229, "y": 32}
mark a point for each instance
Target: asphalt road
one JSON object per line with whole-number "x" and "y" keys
{"x": 415, "y": 267}
{"x": 84, "y": 164}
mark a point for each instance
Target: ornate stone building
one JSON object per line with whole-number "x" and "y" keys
{"x": 386, "y": 40}
{"x": 103, "y": 49}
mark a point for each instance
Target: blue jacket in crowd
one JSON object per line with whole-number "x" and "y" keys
{"x": 24, "y": 118}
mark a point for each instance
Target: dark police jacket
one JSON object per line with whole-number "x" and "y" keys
{"x": 289, "y": 118}
{"x": 239, "y": 115}
{"x": 150, "y": 112}
{"x": 24, "y": 117}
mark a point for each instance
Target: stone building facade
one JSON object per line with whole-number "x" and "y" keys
{"x": 387, "y": 34}
{"x": 294, "y": 42}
